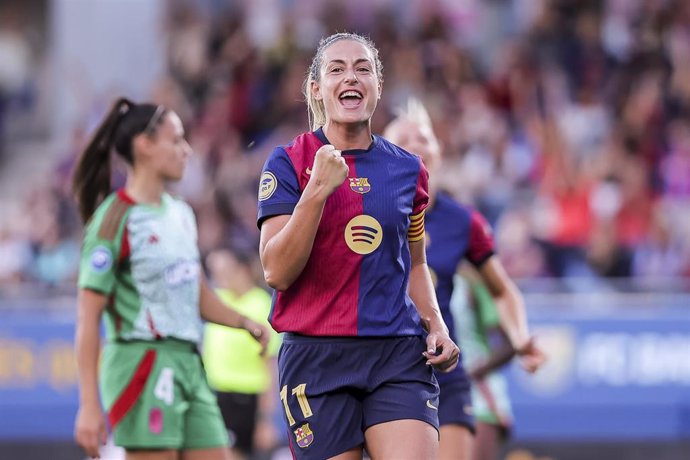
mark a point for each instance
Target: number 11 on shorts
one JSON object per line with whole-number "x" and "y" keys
{"x": 299, "y": 391}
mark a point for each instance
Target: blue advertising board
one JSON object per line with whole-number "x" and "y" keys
{"x": 612, "y": 375}
{"x": 38, "y": 378}
{"x": 621, "y": 374}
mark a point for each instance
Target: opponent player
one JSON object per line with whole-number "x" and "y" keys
{"x": 341, "y": 214}
{"x": 454, "y": 233}
{"x": 486, "y": 348}
{"x": 140, "y": 265}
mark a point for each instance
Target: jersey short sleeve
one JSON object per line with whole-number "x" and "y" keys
{"x": 481, "y": 244}
{"x": 102, "y": 247}
{"x": 421, "y": 196}
{"x": 279, "y": 189}
{"x": 421, "y": 201}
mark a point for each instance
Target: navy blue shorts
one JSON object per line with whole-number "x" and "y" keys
{"x": 333, "y": 389}
{"x": 455, "y": 405}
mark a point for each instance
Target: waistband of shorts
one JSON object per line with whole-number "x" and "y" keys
{"x": 292, "y": 337}
{"x": 163, "y": 344}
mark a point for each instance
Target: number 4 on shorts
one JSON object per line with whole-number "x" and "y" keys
{"x": 165, "y": 388}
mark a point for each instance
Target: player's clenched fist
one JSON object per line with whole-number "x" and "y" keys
{"x": 330, "y": 169}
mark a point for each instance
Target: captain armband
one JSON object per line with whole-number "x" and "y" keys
{"x": 416, "y": 230}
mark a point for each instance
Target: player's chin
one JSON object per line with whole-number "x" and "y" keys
{"x": 175, "y": 174}
{"x": 351, "y": 119}
{"x": 361, "y": 114}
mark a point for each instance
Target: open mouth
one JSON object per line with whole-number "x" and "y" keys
{"x": 350, "y": 99}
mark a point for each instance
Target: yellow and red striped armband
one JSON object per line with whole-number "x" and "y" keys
{"x": 416, "y": 231}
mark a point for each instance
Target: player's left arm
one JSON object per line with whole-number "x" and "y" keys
{"x": 512, "y": 314}
{"x": 213, "y": 309}
{"x": 509, "y": 301}
{"x": 421, "y": 291}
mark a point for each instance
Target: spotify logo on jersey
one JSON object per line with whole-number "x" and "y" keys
{"x": 363, "y": 234}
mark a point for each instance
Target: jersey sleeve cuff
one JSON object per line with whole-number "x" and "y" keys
{"x": 480, "y": 261}
{"x": 95, "y": 288}
{"x": 271, "y": 210}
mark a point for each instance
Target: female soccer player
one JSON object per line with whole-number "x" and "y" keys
{"x": 486, "y": 348}
{"x": 341, "y": 214}
{"x": 454, "y": 233}
{"x": 140, "y": 265}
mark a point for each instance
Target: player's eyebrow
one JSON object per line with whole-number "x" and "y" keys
{"x": 341, "y": 61}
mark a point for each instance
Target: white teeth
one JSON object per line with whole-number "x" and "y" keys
{"x": 351, "y": 94}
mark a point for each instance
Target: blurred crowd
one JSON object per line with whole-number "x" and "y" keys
{"x": 565, "y": 122}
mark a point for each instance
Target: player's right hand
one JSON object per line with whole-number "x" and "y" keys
{"x": 89, "y": 430}
{"x": 531, "y": 356}
{"x": 259, "y": 332}
{"x": 330, "y": 169}
{"x": 441, "y": 353}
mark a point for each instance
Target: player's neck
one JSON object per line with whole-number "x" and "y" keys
{"x": 348, "y": 136}
{"x": 144, "y": 189}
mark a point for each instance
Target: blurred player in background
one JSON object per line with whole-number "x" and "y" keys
{"x": 456, "y": 233}
{"x": 486, "y": 348}
{"x": 341, "y": 214}
{"x": 140, "y": 265}
{"x": 245, "y": 382}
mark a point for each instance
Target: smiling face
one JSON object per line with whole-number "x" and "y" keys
{"x": 348, "y": 84}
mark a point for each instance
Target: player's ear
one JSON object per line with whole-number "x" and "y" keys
{"x": 316, "y": 90}
{"x": 142, "y": 144}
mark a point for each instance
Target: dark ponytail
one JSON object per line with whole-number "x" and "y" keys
{"x": 125, "y": 120}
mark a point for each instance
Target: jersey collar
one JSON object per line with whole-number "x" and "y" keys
{"x": 322, "y": 137}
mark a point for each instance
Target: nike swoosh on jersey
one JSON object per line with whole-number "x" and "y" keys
{"x": 431, "y": 406}
{"x": 308, "y": 171}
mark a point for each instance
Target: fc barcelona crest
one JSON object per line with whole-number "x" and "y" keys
{"x": 360, "y": 184}
{"x": 304, "y": 436}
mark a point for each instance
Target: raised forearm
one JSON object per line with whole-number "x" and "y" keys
{"x": 285, "y": 253}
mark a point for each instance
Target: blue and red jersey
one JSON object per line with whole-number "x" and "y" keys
{"x": 355, "y": 280}
{"x": 453, "y": 232}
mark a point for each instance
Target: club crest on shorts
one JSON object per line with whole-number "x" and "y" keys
{"x": 304, "y": 436}
{"x": 360, "y": 184}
